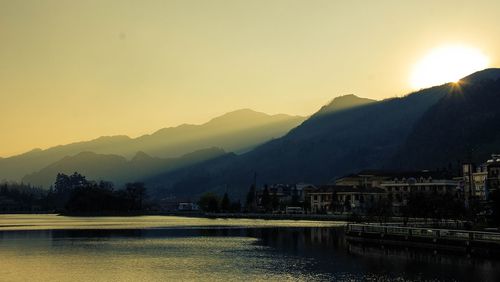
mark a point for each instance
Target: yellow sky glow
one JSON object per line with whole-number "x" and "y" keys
{"x": 76, "y": 70}
{"x": 447, "y": 64}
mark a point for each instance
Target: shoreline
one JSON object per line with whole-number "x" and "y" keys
{"x": 348, "y": 218}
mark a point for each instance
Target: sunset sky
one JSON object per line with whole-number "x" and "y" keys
{"x": 76, "y": 70}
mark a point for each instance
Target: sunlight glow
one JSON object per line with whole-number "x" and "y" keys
{"x": 447, "y": 64}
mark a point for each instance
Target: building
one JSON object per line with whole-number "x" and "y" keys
{"x": 340, "y": 199}
{"x": 302, "y": 190}
{"x": 479, "y": 181}
{"x": 321, "y": 200}
{"x": 493, "y": 169}
{"x": 398, "y": 190}
{"x": 188, "y": 206}
{"x": 396, "y": 186}
{"x": 364, "y": 179}
{"x": 282, "y": 196}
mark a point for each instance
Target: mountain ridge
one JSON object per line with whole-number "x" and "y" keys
{"x": 116, "y": 168}
{"x": 324, "y": 146}
{"x": 172, "y": 142}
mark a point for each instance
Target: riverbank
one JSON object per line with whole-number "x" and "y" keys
{"x": 463, "y": 241}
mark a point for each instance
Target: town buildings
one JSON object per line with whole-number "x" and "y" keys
{"x": 340, "y": 199}
{"x": 368, "y": 190}
{"x": 479, "y": 181}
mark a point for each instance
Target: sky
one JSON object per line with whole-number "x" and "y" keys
{"x": 76, "y": 70}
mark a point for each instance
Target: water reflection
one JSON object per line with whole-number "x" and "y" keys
{"x": 230, "y": 253}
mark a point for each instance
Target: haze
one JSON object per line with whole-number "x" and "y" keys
{"x": 75, "y": 70}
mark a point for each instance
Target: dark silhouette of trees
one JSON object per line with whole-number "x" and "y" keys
{"x": 135, "y": 193}
{"x": 63, "y": 187}
{"x": 94, "y": 197}
{"x": 236, "y": 206}
{"x": 495, "y": 208}
{"x": 21, "y": 197}
{"x": 275, "y": 202}
{"x": 225, "y": 204}
{"x": 435, "y": 206}
{"x": 266, "y": 200}
{"x": 209, "y": 202}
{"x": 251, "y": 204}
{"x": 75, "y": 194}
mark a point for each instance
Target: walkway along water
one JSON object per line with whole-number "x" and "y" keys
{"x": 469, "y": 242}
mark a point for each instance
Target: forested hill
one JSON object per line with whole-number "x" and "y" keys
{"x": 425, "y": 129}
{"x": 464, "y": 125}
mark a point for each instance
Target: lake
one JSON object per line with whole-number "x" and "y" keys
{"x": 168, "y": 248}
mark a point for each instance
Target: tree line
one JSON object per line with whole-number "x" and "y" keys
{"x": 73, "y": 194}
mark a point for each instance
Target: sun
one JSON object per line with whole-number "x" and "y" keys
{"x": 447, "y": 64}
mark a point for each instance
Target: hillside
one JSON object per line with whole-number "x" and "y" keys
{"x": 117, "y": 168}
{"x": 464, "y": 125}
{"x": 422, "y": 130}
{"x": 236, "y": 131}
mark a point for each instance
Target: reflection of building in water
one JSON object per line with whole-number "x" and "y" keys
{"x": 320, "y": 235}
{"x": 407, "y": 255}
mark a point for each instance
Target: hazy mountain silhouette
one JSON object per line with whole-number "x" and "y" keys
{"x": 117, "y": 168}
{"x": 236, "y": 131}
{"x": 422, "y": 130}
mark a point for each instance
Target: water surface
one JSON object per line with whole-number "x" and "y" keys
{"x": 162, "y": 248}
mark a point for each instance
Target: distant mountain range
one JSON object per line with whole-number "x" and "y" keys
{"x": 427, "y": 129}
{"x": 117, "y": 168}
{"x": 237, "y": 131}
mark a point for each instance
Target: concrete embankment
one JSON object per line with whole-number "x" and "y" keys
{"x": 465, "y": 241}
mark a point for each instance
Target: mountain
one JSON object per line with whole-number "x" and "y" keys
{"x": 464, "y": 125}
{"x": 424, "y": 129}
{"x": 117, "y": 168}
{"x": 236, "y": 131}
{"x": 344, "y": 102}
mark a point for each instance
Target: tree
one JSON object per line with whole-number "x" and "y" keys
{"x": 275, "y": 201}
{"x": 250, "y": 201}
{"x": 63, "y": 187}
{"x": 62, "y": 183}
{"x": 236, "y": 206}
{"x": 209, "y": 202}
{"x": 136, "y": 193}
{"x": 225, "y": 204}
{"x": 266, "y": 200}
{"x": 495, "y": 207}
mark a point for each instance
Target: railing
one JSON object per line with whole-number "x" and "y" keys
{"x": 457, "y": 235}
